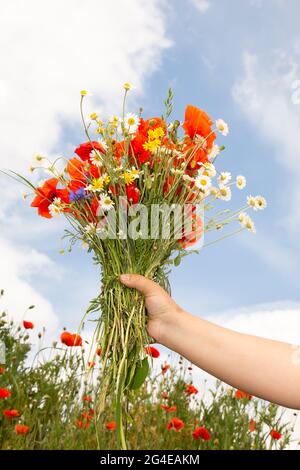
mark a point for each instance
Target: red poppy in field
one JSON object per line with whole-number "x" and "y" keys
{"x": 45, "y": 196}
{"x": 81, "y": 424}
{"x": 28, "y": 325}
{"x": 153, "y": 352}
{"x": 202, "y": 433}
{"x": 133, "y": 193}
{"x": 84, "y": 150}
{"x": 165, "y": 395}
{"x": 21, "y": 429}
{"x": 87, "y": 416}
{"x": 87, "y": 398}
{"x": 99, "y": 351}
{"x": 111, "y": 426}
{"x": 4, "y": 393}
{"x": 190, "y": 389}
{"x": 239, "y": 394}
{"x": 91, "y": 364}
{"x": 252, "y": 425}
{"x": 70, "y": 339}
{"x": 11, "y": 413}
{"x": 169, "y": 409}
{"x": 176, "y": 424}
{"x": 2, "y": 370}
{"x": 165, "y": 368}
{"x": 275, "y": 434}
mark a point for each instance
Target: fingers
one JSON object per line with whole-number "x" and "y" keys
{"x": 141, "y": 283}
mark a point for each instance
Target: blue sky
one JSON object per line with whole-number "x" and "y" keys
{"x": 237, "y": 60}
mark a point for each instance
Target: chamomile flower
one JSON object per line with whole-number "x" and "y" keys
{"x": 96, "y": 158}
{"x": 131, "y": 122}
{"x": 222, "y": 127}
{"x": 127, "y": 86}
{"x": 242, "y": 218}
{"x": 209, "y": 170}
{"x": 106, "y": 202}
{"x": 240, "y": 182}
{"x": 85, "y": 245}
{"x": 249, "y": 225}
{"x": 224, "y": 178}
{"x": 114, "y": 121}
{"x": 203, "y": 182}
{"x": 251, "y": 201}
{"x": 55, "y": 208}
{"x": 214, "y": 152}
{"x": 224, "y": 193}
{"x": 261, "y": 203}
{"x": 201, "y": 141}
{"x": 214, "y": 191}
{"x": 38, "y": 158}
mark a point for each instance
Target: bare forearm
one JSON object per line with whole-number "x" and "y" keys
{"x": 259, "y": 366}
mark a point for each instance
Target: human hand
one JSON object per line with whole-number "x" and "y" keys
{"x": 161, "y": 308}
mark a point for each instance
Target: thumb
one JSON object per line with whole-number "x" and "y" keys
{"x": 141, "y": 283}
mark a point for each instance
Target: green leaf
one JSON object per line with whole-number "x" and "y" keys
{"x": 140, "y": 375}
{"x": 177, "y": 260}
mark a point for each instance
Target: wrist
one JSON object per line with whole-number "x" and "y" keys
{"x": 170, "y": 325}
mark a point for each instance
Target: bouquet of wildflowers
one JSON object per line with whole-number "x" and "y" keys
{"x": 139, "y": 197}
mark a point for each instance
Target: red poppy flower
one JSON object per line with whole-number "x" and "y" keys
{"x": 4, "y": 393}
{"x": 169, "y": 409}
{"x": 2, "y": 370}
{"x": 176, "y": 424}
{"x": 45, "y": 196}
{"x": 82, "y": 424}
{"x": 133, "y": 193}
{"x": 153, "y": 352}
{"x": 28, "y": 325}
{"x": 111, "y": 426}
{"x": 198, "y": 122}
{"x": 70, "y": 339}
{"x": 191, "y": 390}
{"x": 99, "y": 351}
{"x": 202, "y": 433}
{"x": 87, "y": 416}
{"x": 91, "y": 364}
{"x": 275, "y": 434}
{"x": 252, "y": 425}
{"x": 21, "y": 429}
{"x": 87, "y": 398}
{"x": 239, "y": 394}
{"x": 76, "y": 170}
{"x": 165, "y": 368}
{"x": 165, "y": 395}
{"x": 84, "y": 150}
{"x": 11, "y": 413}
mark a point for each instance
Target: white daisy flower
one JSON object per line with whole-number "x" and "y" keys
{"x": 222, "y": 127}
{"x": 85, "y": 245}
{"x": 242, "y": 218}
{"x": 214, "y": 191}
{"x": 201, "y": 141}
{"x": 106, "y": 202}
{"x": 114, "y": 120}
{"x": 38, "y": 158}
{"x": 55, "y": 208}
{"x": 208, "y": 169}
{"x": 224, "y": 193}
{"x": 240, "y": 182}
{"x": 249, "y": 225}
{"x": 96, "y": 158}
{"x": 224, "y": 178}
{"x": 261, "y": 203}
{"x": 214, "y": 152}
{"x": 131, "y": 122}
{"x": 251, "y": 201}
{"x": 203, "y": 182}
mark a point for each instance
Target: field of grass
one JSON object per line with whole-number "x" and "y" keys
{"x": 49, "y": 402}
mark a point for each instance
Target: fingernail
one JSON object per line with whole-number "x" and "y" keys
{"x": 125, "y": 277}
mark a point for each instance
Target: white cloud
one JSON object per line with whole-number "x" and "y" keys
{"x": 16, "y": 268}
{"x": 201, "y": 5}
{"x": 264, "y": 94}
{"x": 50, "y": 51}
